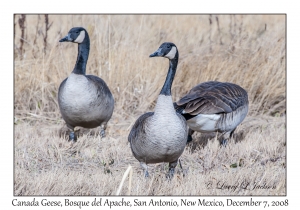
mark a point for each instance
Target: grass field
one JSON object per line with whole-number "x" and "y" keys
{"x": 249, "y": 50}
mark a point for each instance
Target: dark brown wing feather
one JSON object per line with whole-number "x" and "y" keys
{"x": 212, "y": 98}
{"x": 138, "y": 126}
{"x": 100, "y": 84}
{"x": 61, "y": 86}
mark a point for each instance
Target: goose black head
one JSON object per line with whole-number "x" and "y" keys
{"x": 76, "y": 34}
{"x": 167, "y": 50}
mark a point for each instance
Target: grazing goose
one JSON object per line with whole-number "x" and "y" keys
{"x": 160, "y": 136}
{"x": 214, "y": 107}
{"x": 84, "y": 100}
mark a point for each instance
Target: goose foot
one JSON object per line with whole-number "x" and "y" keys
{"x": 72, "y": 137}
{"x": 170, "y": 175}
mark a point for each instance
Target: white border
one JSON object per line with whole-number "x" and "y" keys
{"x": 153, "y": 6}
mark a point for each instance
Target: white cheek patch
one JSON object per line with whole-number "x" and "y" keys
{"x": 172, "y": 53}
{"x": 80, "y": 38}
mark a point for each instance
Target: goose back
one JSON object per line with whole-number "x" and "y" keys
{"x": 213, "y": 98}
{"x": 214, "y": 106}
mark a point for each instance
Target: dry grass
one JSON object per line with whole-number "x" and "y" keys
{"x": 248, "y": 50}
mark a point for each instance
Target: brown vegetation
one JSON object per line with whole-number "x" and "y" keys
{"x": 248, "y": 50}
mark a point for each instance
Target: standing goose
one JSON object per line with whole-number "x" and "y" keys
{"x": 84, "y": 100}
{"x": 160, "y": 136}
{"x": 214, "y": 107}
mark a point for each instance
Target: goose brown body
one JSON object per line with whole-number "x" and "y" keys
{"x": 214, "y": 107}
{"x": 84, "y": 100}
{"x": 160, "y": 136}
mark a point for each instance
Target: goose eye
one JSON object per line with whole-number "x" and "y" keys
{"x": 168, "y": 46}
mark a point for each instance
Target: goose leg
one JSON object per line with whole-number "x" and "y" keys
{"x": 72, "y": 136}
{"x": 172, "y": 166}
{"x": 102, "y": 130}
{"x": 190, "y": 133}
{"x": 180, "y": 164}
{"x": 145, "y": 168}
{"x": 231, "y": 133}
{"x": 226, "y": 137}
{"x": 223, "y": 142}
{"x": 183, "y": 171}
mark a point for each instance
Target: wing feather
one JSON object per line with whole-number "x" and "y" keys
{"x": 212, "y": 98}
{"x": 102, "y": 88}
{"x": 138, "y": 126}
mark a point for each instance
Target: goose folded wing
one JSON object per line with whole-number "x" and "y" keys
{"x": 212, "y": 98}
{"x": 139, "y": 126}
{"x": 102, "y": 88}
{"x": 98, "y": 82}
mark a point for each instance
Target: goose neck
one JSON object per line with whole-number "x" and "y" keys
{"x": 166, "y": 89}
{"x": 82, "y": 57}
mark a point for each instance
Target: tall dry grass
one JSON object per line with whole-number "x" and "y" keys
{"x": 248, "y": 50}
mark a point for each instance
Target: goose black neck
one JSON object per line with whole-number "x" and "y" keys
{"x": 82, "y": 57}
{"x": 166, "y": 89}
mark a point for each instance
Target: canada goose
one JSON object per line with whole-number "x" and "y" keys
{"x": 214, "y": 107}
{"x": 84, "y": 100}
{"x": 160, "y": 136}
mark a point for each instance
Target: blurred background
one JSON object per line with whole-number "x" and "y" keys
{"x": 245, "y": 49}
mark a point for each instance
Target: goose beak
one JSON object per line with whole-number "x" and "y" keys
{"x": 157, "y": 53}
{"x": 66, "y": 39}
